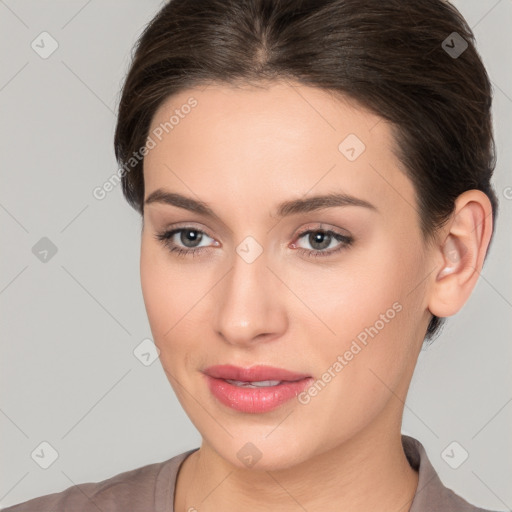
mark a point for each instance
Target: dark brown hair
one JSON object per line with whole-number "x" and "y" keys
{"x": 397, "y": 58}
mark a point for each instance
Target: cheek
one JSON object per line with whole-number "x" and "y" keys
{"x": 174, "y": 296}
{"x": 154, "y": 289}
{"x": 369, "y": 315}
{"x": 351, "y": 295}
{"x": 165, "y": 296}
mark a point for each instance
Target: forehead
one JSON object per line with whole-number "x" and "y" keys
{"x": 277, "y": 140}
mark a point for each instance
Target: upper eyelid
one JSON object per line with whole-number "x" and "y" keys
{"x": 323, "y": 226}
{"x": 184, "y": 227}
{"x": 318, "y": 226}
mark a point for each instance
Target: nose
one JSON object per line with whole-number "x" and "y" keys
{"x": 249, "y": 306}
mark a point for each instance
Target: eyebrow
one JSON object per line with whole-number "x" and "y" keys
{"x": 291, "y": 207}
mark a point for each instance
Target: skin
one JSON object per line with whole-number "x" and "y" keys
{"x": 243, "y": 150}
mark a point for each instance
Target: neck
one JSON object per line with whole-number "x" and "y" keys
{"x": 367, "y": 472}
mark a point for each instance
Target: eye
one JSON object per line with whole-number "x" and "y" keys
{"x": 184, "y": 241}
{"x": 320, "y": 239}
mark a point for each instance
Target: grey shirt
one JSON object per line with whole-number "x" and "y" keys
{"x": 150, "y": 488}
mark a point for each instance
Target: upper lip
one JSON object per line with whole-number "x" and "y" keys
{"x": 253, "y": 373}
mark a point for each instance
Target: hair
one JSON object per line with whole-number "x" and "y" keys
{"x": 390, "y": 57}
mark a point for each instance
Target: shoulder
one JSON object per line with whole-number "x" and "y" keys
{"x": 142, "y": 489}
{"x": 432, "y": 495}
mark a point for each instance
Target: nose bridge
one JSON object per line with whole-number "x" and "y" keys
{"x": 248, "y": 306}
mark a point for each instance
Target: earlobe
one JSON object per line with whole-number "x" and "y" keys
{"x": 464, "y": 243}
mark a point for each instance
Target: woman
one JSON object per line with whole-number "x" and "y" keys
{"x": 314, "y": 184}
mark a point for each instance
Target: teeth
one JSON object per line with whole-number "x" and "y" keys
{"x": 255, "y": 384}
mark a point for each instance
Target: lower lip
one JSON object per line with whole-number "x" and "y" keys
{"x": 255, "y": 400}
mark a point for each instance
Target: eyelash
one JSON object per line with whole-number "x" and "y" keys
{"x": 166, "y": 236}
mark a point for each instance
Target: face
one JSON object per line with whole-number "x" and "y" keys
{"x": 266, "y": 275}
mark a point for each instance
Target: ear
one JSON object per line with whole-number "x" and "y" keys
{"x": 464, "y": 241}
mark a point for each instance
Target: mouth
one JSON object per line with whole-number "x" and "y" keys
{"x": 257, "y": 389}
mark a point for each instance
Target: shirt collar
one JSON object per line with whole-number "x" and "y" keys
{"x": 431, "y": 494}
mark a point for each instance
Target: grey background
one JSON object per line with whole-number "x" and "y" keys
{"x": 69, "y": 326}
